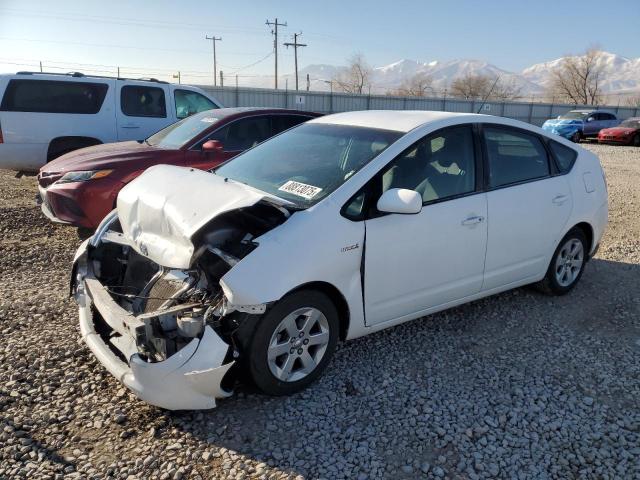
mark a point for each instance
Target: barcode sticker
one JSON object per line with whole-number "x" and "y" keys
{"x": 300, "y": 189}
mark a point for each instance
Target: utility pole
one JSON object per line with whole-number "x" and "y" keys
{"x": 178, "y": 77}
{"x": 221, "y": 79}
{"x": 214, "y": 39}
{"x": 295, "y": 46}
{"x": 275, "y": 42}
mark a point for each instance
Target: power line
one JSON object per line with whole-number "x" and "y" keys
{"x": 275, "y": 43}
{"x": 214, "y": 39}
{"x": 295, "y": 46}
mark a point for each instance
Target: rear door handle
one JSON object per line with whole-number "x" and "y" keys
{"x": 560, "y": 199}
{"x": 473, "y": 220}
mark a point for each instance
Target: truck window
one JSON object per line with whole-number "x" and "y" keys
{"x": 53, "y": 96}
{"x": 142, "y": 101}
{"x": 188, "y": 103}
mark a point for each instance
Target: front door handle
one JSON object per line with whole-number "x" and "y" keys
{"x": 560, "y": 199}
{"x": 131, "y": 125}
{"x": 473, "y": 220}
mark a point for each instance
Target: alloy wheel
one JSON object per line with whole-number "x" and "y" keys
{"x": 569, "y": 262}
{"x": 298, "y": 344}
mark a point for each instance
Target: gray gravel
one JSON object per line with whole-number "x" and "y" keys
{"x": 516, "y": 386}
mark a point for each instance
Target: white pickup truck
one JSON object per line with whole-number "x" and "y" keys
{"x": 45, "y": 115}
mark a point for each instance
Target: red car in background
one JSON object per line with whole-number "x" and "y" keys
{"x": 627, "y": 133}
{"x": 81, "y": 187}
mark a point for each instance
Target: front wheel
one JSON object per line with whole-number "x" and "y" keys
{"x": 567, "y": 264}
{"x": 293, "y": 342}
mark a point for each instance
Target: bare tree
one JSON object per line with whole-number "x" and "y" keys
{"x": 633, "y": 101}
{"x": 356, "y": 77}
{"x": 478, "y": 87}
{"x": 578, "y": 79}
{"x": 417, "y": 86}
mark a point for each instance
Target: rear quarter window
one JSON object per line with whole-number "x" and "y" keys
{"x": 53, "y": 96}
{"x": 564, "y": 156}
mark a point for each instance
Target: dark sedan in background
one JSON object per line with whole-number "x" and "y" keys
{"x": 81, "y": 187}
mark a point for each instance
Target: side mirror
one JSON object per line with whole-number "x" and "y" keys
{"x": 400, "y": 200}
{"x": 212, "y": 146}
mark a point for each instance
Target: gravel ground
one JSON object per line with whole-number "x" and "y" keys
{"x": 520, "y": 385}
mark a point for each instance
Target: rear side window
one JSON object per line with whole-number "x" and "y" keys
{"x": 52, "y": 96}
{"x": 141, "y": 101}
{"x": 188, "y": 103}
{"x": 514, "y": 156}
{"x": 285, "y": 122}
{"x": 565, "y": 156}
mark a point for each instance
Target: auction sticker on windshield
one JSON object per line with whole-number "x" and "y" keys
{"x": 300, "y": 189}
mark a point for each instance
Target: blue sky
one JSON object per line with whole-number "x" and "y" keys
{"x": 161, "y": 36}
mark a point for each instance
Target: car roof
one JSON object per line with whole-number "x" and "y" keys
{"x": 401, "y": 121}
{"x": 225, "y": 113}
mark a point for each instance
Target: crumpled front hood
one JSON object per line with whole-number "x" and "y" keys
{"x": 165, "y": 206}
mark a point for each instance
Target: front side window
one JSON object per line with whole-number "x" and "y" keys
{"x": 189, "y": 103}
{"x": 439, "y": 166}
{"x": 52, "y": 96}
{"x": 307, "y": 163}
{"x": 143, "y": 101}
{"x": 243, "y": 134}
{"x": 514, "y": 156}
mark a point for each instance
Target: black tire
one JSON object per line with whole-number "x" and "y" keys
{"x": 257, "y": 353}
{"x": 576, "y": 137}
{"x": 84, "y": 233}
{"x": 550, "y": 283}
{"x": 636, "y": 140}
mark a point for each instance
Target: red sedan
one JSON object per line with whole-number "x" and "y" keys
{"x": 627, "y": 133}
{"x": 81, "y": 187}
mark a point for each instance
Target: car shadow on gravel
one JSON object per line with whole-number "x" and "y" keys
{"x": 400, "y": 389}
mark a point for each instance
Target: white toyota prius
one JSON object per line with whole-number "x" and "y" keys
{"x": 337, "y": 228}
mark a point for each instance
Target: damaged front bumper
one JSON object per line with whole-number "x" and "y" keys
{"x": 191, "y": 378}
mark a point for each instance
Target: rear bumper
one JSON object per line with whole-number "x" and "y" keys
{"x": 189, "y": 379}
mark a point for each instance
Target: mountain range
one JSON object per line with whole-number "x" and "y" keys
{"x": 619, "y": 74}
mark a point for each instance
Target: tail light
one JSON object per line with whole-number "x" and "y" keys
{"x": 1, "y": 139}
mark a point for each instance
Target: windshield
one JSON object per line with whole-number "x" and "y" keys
{"x": 180, "y": 133}
{"x": 307, "y": 163}
{"x": 574, "y": 116}
{"x": 635, "y": 123}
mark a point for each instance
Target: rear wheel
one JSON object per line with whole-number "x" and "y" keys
{"x": 576, "y": 137}
{"x": 636, "y": 140}
{"x": 293, "y": 342}
{"x": 567, "y": 264}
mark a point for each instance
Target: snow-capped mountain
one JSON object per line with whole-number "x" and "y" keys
{"x": 620, "y": 74}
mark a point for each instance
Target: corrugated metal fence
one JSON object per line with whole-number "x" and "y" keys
{"x": 326, "y": 102}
